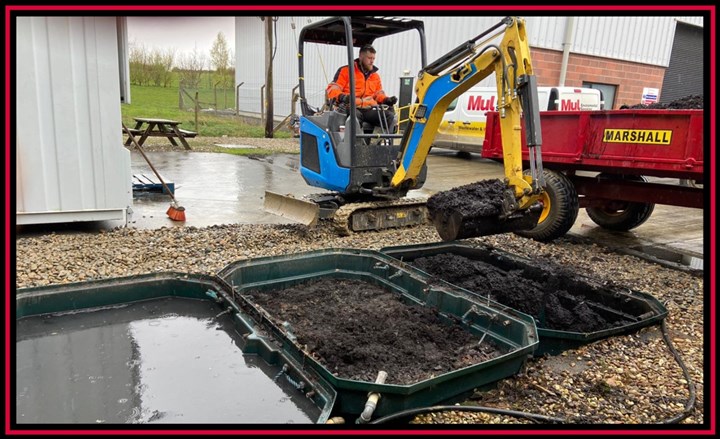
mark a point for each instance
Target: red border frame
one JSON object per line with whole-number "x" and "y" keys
{"x": 9, "y": 289}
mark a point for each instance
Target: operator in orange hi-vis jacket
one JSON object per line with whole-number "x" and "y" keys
{"x": 368, "y": 91}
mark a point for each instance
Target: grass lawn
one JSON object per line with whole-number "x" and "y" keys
{"x": 163, "y": 103}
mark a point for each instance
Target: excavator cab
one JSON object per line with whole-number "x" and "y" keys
{"x": 337, "y": 151}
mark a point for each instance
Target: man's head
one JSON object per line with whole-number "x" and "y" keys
{"x": 367, "y": 57}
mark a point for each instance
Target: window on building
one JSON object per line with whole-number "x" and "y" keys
{"x": 607, "y": 92}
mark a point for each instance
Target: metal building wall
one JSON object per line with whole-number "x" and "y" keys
{"x": 250, "y": 65}
{"x": 395, "y": 55}
{"x": 645, "y": 40}
{"x": 70, "y": 163}
{"x": 684, "y": 75}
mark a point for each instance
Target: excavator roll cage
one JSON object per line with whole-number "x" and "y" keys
{"x": 359, "y": 31}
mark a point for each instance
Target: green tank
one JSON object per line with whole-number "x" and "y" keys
{"x": 513, "y": 332}
{"x": 573, "y": 310}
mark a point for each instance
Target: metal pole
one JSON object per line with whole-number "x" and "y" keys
{"x": 197, "y": 109}
{"x": 237, "y": 98}
{"x": 567, "y": 42}
{"x": 262, "y": 105}
{"x": 268, "y": 76}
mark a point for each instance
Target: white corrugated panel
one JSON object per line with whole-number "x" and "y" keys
{"x": 320, "y": 61}
{"x": 446, "y": 33}
{"x": 546, "y": 32}
{"x": 646, "y": 40}
{"x": 638, "y": 39}
{"x": 71, "y": 165}
{"x": 396, "y": 55}
{"x": 250, "y": 61}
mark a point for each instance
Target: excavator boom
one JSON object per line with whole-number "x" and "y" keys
{"x": 449, "y": 77}
{"x": 446, "y": 79}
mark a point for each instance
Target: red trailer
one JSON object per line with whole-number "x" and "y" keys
{"x": 617, "y": 164}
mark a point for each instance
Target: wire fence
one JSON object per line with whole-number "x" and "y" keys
{"x": 216, "y": 98}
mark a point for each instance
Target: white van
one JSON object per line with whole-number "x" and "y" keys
{"x": 463, "y": 126}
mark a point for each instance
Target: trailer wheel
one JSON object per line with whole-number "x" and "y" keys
{"x": 622, "y": 215}
{"x": 560, "y": 208}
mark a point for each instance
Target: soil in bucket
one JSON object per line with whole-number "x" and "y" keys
{"x": 546, "y": 299}
{"x": 355, "y": 328}
{"x": 476, "y": 209}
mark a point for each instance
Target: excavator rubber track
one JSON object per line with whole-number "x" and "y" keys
{"x": 361, "y": 215}
{"x": 348, "y": 216}
{"x": 380, "y": 215}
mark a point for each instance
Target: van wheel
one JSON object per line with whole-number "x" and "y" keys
{"x": 621, "y": 215}
{"x": 560, "y": 208}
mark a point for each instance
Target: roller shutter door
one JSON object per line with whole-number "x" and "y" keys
{"x": 684, "y": 75}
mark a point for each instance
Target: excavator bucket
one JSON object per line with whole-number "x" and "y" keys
{"x": 452, "y": 225}
{"x": 286, "y": 206}
{"x": 478, "y": 210}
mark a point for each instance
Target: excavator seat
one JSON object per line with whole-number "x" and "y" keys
{"x": 368, "y": 128}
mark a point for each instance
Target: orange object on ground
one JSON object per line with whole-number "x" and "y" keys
{"x": 175, "y": 212}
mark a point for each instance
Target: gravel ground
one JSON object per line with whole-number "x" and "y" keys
{"x": 631, "y": 379}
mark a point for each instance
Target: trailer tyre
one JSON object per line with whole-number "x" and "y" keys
{"x": 560, "y": 208}
{"x": 622, "y": 217}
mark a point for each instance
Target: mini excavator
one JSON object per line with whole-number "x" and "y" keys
{"x": 368, "y": 174}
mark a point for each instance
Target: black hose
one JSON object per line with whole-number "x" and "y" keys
{"x": 690, "y": 405}
{"x": 466, "y": 408}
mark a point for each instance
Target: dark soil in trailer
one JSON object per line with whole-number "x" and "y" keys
{"x": 694, "y": 102}
{"x": 355, "y": 329}
{"x": 548, "y": 301}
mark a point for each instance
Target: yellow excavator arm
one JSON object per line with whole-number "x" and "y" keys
{"x": 453, "y": 74}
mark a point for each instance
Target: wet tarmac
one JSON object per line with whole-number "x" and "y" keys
{"x": 215, "y": 188}
{"x": 229, "y": 189}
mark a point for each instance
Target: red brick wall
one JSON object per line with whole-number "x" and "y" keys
{"x": 628, "y": 77}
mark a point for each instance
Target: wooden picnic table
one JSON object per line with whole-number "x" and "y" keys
{"x": 159, "y": 128}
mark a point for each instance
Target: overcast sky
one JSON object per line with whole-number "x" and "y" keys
{"x": 181, "y": 33}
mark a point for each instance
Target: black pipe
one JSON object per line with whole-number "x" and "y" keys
{"x": 466, "y": 408}
{"x": 689, "y": 406}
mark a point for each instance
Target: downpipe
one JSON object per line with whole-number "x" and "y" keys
{"x": 567, "y": 42}
{"x": 371, "y": 403}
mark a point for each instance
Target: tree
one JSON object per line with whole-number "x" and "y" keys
{"x": 220, "y": 60}
{"x": 220, "y": 56}
{"x": 191, "y": 68}
{"x": 139, "y": 59}
{"x": 162, "y": 62}
{"x": 150, "y": 66}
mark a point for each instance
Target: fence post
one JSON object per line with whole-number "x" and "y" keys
{"x": 197, "y": 109}
{"x": 181, "y": 103}
{"x": 237, "y": 98}
{"x": 262, "y": 105}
